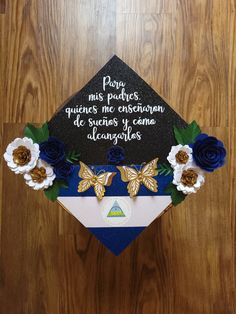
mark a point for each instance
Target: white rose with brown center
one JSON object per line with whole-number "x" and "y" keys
{"x": 188, "y": 179}
{"x": 41, "y": 176}
{"x": 21, "y": 155}
{"x": 180, "y": 156}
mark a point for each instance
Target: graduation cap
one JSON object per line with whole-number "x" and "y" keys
{"x": 116, "y": 107}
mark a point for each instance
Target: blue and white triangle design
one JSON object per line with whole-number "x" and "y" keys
{"x": 117, "y": 219}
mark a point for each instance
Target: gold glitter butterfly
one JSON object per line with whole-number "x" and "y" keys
{"x": 98, "y": 182}
{"x": 143, "y": 176}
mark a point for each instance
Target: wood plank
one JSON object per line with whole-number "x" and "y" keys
{"x": 2, "y": 96}
{"x": 31, "y": 63}
{"x": 150, "y": 7}
{"x": 2, "y": 6}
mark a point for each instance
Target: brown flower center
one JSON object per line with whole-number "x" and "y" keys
{"x": 189, "y": 177}
{"x": 181, "y": 157}
{"x": 21, "y": 155}
{"x": 38, "y": 174}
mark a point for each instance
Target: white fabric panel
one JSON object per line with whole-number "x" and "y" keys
{"x": 137, "y": 212}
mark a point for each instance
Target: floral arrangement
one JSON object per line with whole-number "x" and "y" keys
{"x": 194, "y": 156}
{"x": 41, "y": 159}
{"x": 46, "y": 165}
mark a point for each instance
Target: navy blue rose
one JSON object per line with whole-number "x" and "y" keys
{"x": 52, "y": 151}
{"x": 116, "y": 155}
{"x": 63, "y": 169}
{"x": 208, "y": 152}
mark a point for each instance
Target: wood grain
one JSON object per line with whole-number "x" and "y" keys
{"x": 185, "y": 261}
{"x": 2, "y": 6}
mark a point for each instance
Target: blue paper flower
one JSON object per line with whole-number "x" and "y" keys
{"x": 116, "y": 155}
{"x": 208, "y": 152}
{"x": 63, "y": 169}
{"x": 52, "y": 151}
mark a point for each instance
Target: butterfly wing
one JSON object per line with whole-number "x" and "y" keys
{"x": 130, "y": 175}
{"x": 149, "y": 171}
{"x": 84, "y": 185}
{"x": 127, "y": 173}
{"x": 86, "y": 174}
{"x": 133, "y": 187}
{"x": 99, "y": 190}
{"x": 106, "y": 178}
{"x": 150, "y": 183}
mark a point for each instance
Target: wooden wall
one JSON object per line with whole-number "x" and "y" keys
{"x": 185, "y": 261}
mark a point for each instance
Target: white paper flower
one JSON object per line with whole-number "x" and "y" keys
{"x": 40, "y": 177}
{"x": 21, "y": 155}
{"x": 188, "y": 179}
{"x": 179, "y": 156}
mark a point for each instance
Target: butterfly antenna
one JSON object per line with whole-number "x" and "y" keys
{"x": 135, "y": 167}
{"x": 93, "y": 169}
{"x": 142, "y": 164}
{"x": 100, "y": 171}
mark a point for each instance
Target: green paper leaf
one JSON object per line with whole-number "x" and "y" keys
{"x": 38, "y": 135}
{"x": 176, "y": 196}
{"x": 63, "y": 184}
{"x": 73, "y": 156}
{"x": 187, "y": 135}
{"x": 164, "y": 170}
{"x": 53, "y": 191}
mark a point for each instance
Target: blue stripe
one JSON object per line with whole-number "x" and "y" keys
{"x": 117, "y": 188}
{"x": 116, "y": 239}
